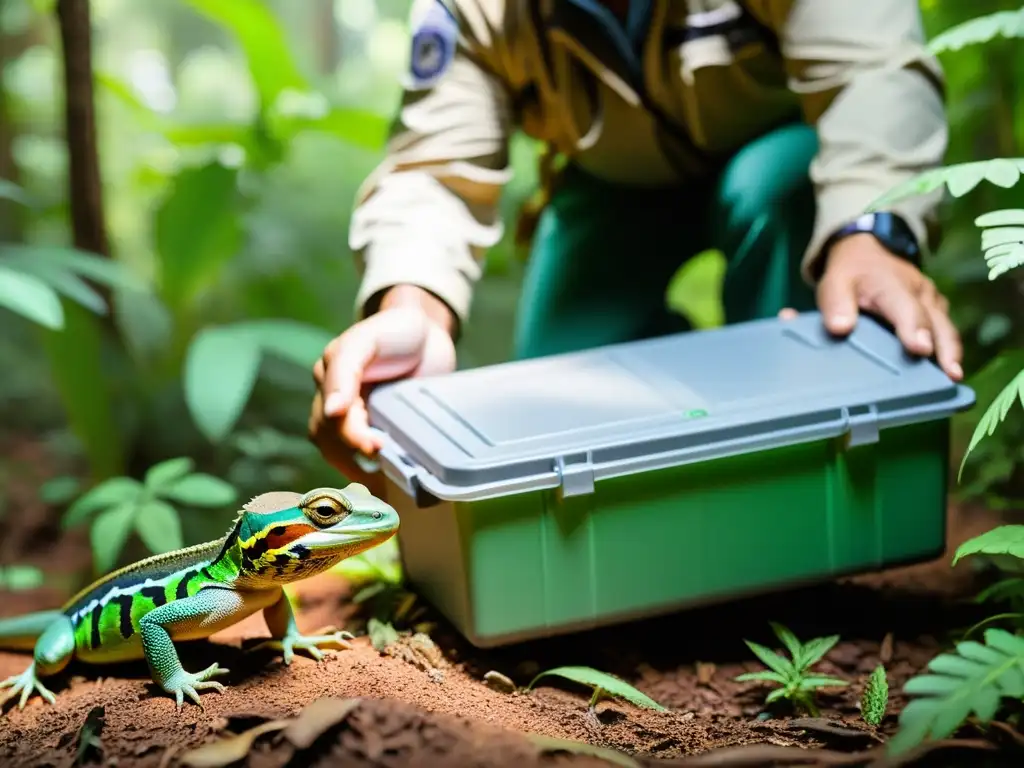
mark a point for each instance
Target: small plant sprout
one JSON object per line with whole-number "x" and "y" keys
{"x": 796, "y": 684}
{"x": 122, "y": 504}
{"x": 602, "y": 684}
{"x": 876, "y": 698}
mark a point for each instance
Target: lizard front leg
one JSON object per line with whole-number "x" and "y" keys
{"x": 52, "y": 652}
{"x": 194, "y": 617}
{"x": 286, "y": 636}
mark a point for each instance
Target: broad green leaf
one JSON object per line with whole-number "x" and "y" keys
{"x": 11, "y": 191}
{"x": 161, "y": 475}
{"x": 221, "y": 366}
{"x": 70, "y": 286}
{"x": 197, "y": 230}
{"x": 109, "y": 532}
{"x": 201, "y": 490}
{"x": 875, "y": 698}
{"x": 97, "y": 268}
{"x": 959, "y": 179}
{"x": 971, "y": 681}
{"x": 771, "y": 659}
{"x": 262, "y": 38}
{"x": 31, "y": 298}
{"x": 357, "y": 127}
{"x": 296, "y": 342}
{"x": 1009, "y": 24}
{"x": 16, "y": 578}
{"x": 549, "y": 744}
{"x": 113, "y": 492}
{"x": 1004, "y": 540}
{"x": 995, "y": 415}
{"x": 607, "y": 683}
{"x": 1002, "y": 240}
{"x": 159, "y": 526}
{"x": 81, "y": 375}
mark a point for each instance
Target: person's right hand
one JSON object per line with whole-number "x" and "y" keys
{"x": 409, "y": 336}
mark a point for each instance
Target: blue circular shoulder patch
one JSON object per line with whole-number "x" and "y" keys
{"x": 434, "y": 38}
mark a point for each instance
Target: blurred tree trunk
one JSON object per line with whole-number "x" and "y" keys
{"x": 85, "y": 189}
{"x": 77, "y": 354}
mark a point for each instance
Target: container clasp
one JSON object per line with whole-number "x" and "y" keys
{"x": 576, "y": 473}
{"x": 862, "y": 421}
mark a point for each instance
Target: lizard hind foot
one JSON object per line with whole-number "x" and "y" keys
{"x": 311, "y": 644}
{"x": 191, "y": 683}
{"x": 24, "y": 684}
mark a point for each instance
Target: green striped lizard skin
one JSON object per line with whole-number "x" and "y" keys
{"x": 139, "y": 611}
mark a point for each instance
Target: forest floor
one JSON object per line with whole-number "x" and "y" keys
{"x": 415, "y": 706}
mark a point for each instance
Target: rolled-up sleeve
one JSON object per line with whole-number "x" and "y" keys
{"x": 429, "y": 212}
{"x": 875, "y": 95}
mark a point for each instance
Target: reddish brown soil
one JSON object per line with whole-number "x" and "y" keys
{"x": 412, "y": 717}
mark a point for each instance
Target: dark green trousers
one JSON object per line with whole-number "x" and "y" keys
{"x": 603, "y": 255}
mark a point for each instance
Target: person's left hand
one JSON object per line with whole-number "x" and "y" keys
{"x": 862, "y": 275}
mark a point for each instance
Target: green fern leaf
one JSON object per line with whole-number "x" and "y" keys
{"x": 1003, "y": 591}
{"x": 959, "y": 179}
{"x": 1004, "y": 540}
{"x": 772, "y": 660}
{"x": 1007, "y": 24}
{"x": 972, "y": 680}
{"x": 995, "y": 415}
{"x": 1002, "y": 240}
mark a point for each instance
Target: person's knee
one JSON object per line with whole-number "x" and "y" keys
{"x": 763, "y": 181}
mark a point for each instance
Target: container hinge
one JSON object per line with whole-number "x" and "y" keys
{"x": 863, "y": 425}
{"x": 576, "y": 473}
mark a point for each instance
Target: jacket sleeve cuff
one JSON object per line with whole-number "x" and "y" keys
{"x": 412, "y": 265}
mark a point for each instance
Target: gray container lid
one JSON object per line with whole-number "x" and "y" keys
{"x": 569, "y": 420}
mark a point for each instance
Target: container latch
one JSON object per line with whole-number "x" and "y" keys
{"x": 863, "y": 425}
{"x": 576, "y": 473}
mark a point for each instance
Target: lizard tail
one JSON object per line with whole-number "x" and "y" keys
{"x": 19, "y": 633}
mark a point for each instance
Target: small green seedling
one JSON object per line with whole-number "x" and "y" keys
{"x": 120, "y": 505}
{"x": 797, "y": 685}
{"x": 603, "y": 684}
{"x": 876, "y": 698}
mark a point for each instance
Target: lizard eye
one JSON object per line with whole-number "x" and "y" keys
{"x": 324, "y": 511}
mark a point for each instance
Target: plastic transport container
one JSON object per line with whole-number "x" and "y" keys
{"x": 544, "y": 496}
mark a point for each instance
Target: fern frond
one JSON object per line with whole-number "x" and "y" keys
{"x": 1002, "y": 240}
{"x": 959, "y": 179}
{"x": 995, "y": 415}
{"x": 973, "y": 680}
{"x": 1007, "y": 24}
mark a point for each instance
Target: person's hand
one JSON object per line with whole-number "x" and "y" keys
{"x": 409, "y": 336}
{"x": 862, "y": 275}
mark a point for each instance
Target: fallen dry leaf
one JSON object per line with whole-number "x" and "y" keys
{"x": 230, "y": 750}
{"x": 705, "y": 671}
{"x": 316, "y": 718}
{"x": 885, "y": 652}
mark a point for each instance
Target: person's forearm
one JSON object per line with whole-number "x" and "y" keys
{"x": 414, "y": 296}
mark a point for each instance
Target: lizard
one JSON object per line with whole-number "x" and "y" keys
{"x": 139, "y": 611}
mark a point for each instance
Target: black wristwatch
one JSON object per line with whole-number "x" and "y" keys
{"x": 889, "y": 229}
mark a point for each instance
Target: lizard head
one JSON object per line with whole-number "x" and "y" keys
{"x": 284, "y": 537}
